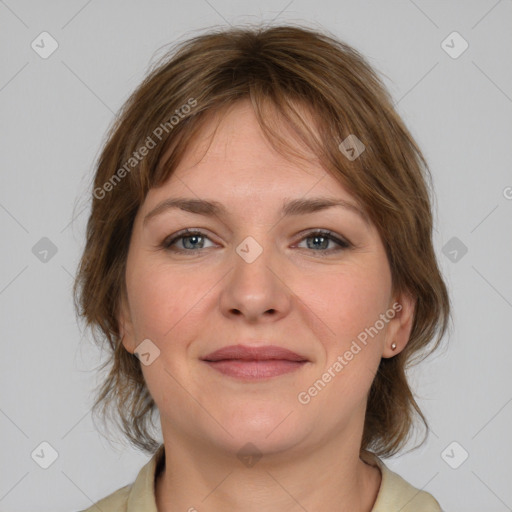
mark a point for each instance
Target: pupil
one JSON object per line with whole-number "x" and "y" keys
{"x": 193, "y": 238}
{"x": 317, "y": 238}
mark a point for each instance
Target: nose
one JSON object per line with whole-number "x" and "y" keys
{"x": 256, "y": 288}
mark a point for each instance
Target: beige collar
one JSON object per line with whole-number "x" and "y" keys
{"x": 395, "y": 494}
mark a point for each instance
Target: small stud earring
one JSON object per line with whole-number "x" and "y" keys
{"x": 393, "y": 346}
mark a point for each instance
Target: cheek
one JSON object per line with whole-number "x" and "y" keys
{"x": 349, "y": 306}
{"x": 162, "y": 301}
{"x": 165, "y": 307}
{"x": 357, "y": 301}
{"x": 348, "y": 301}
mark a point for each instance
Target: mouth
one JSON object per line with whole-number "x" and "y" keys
{"x": 254, "y": 363}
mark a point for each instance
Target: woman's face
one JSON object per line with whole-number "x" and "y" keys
{"x": 257, "y": 276}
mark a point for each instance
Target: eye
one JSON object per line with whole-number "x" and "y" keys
{"x": 321, "y": 239}
{"x": 192, "y": 240}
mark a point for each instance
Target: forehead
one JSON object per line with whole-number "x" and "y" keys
{"x": 231, "y": 157}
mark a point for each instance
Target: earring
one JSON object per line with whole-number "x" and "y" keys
{"x": 393, "y": 346}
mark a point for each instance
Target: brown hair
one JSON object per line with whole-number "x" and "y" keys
{"x": 279, "y": 69}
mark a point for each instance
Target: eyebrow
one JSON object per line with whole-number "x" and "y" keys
{"x": 289, "y": 208}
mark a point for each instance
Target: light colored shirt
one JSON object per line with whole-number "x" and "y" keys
{"x": 395, "y": 494}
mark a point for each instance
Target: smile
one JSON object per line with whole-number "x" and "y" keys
{"x": 255, "y": 369}
{"x": 254, "y": 363}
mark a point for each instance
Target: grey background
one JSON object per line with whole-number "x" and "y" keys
{"x": 55, "y": 112}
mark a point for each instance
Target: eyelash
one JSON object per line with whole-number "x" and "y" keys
{"x": 187, "y": 233}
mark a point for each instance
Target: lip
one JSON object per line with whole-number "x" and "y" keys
{"x": 254, "y": 363}
{"x": 247, "y": 353}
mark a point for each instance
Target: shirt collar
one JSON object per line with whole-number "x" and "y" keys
{"x": 395, "y": 493}
{"x": 142, "y": 493}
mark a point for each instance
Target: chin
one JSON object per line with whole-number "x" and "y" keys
{"x": 270, "y": 429}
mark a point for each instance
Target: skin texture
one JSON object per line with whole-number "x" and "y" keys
{"x": 192, "y": 303}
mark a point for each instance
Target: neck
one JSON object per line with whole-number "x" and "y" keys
{"x": 198, "y": 477}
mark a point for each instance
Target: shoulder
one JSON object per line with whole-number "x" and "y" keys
{"x": 138, "y": 496}
{"x": 115, "y": 502}
{"x": 395, "y": 493}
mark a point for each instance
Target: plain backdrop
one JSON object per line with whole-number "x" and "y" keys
{"x": 55, "y": 110}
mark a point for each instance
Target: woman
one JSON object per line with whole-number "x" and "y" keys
{"x": 259, "y": 258}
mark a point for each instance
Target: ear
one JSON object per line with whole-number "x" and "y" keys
{"x": 400, "y": 326}
{"x": 125, "y": 324}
